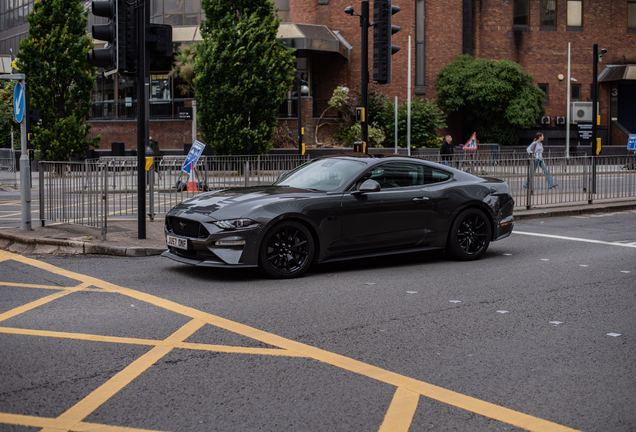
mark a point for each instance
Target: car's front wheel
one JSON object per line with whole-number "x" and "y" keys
{"x": 469, "y": 235}
{"x": 287, "y": 250}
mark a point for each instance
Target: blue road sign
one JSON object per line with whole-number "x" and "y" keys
{"x": 193, "y": 156}
{"x": 18, "y": 102}
{"x": 631, "y": 144}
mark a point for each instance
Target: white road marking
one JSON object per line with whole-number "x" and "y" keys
{"x": 630, "y": 245}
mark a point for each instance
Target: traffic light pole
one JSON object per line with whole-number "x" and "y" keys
{"x": 594, "y": 97}
{"x": 142, "y": 117}
{"x": 364, "y": 78}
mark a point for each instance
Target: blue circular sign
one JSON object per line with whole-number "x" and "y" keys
{"x": 18, "y": 102}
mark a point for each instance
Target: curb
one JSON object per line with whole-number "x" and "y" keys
{"x": 574, "y": 211}
{"x": 22, "y": 245}
{"x": 47, "y": 246}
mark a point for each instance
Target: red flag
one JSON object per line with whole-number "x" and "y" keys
{"x": 471, "y": 144}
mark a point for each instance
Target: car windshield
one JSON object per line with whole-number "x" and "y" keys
{"x": 321, "y": 174}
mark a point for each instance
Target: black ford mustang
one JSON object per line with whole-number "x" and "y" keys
{"x": 337, "y": 208}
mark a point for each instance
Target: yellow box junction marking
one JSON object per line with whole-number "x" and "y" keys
{"x": 398, "y": 417}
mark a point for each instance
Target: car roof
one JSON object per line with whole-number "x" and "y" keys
{"x": 370, "y": 158}
{"x": 378, "y": 158}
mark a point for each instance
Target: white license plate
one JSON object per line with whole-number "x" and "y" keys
{"x": 177, "y": 242}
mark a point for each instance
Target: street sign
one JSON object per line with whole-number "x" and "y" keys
{"x": 193, "y": 156}
{"x": 185, "y": 113}
{"x": 471, "y": 144}
{"x": 18, "y": 102}
{"x": 631, "y": 143}
{"x": 585, "y": 132}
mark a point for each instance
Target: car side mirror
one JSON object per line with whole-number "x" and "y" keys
{"x": 369, "y": 186}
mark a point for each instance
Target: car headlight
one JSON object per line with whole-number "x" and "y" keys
{"x": 232, "y": 224}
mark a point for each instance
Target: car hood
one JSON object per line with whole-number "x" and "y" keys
{"x": 238, "y": 202}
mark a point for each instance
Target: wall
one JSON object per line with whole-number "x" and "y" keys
{"x": 168, "y": 133}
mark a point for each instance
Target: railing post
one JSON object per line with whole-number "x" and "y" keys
{"x": 41, "y": 192}
{"x": 594, "y": 161}
{"x": 247, "y": 172}
{"x": 206, "y": 161}
{"x": 151, "y": 191}
{"x": 590, "y": 199}
{"x": 104, "y": 200}
{"x": 530, "y": 184}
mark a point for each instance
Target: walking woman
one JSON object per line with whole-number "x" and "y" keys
{"x": 536, "y": 150}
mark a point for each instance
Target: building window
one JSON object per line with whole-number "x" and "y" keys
{"x": 419, "y": 48}
{"x": 520, "y": 13}
{"x": 631, "y": 16}
{"x": 575, "y": 92}
{"x": 548, "y": 13}
{"x": 175, "y": 12}
{"x": 544, "y": 87}
{"x": 283, "y": 9}
{"x": 575, "y": 13}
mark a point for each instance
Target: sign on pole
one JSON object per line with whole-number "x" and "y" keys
{"x": 631, "y": 143}
{"x": 18, "y": 102}
{"x": 193, "y": 156}
{"x": 471, "y": 144}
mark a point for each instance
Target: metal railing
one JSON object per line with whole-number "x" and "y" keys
{"x": 7, "y": 163}
{"x": 577, "y": 179}
{"x": 74, "y": 192}
{"x": 90, "y": 192}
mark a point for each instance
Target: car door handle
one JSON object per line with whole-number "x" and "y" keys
{"x": 420, "y": 199}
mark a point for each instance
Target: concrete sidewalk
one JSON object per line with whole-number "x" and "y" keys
{"x": 122, "y": 237}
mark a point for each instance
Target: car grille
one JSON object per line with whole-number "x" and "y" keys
{"x": 186, "y": 227}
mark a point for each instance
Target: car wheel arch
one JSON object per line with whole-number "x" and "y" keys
{"x": 479, "y": 206}
{"x": 299, "y": 219}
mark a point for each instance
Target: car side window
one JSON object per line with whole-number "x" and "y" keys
{"x": 393, "y": 175}
{"x": 434, "y": 175}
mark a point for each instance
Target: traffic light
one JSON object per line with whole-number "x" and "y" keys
{"x": 382, "y": 47}
{"x": 105, "y": 57}
{"x": 120, "y": 51}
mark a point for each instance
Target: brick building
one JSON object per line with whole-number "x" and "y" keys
{"x": 534, "y": 34}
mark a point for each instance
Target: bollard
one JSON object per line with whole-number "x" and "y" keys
{"x": 25, "y": 190}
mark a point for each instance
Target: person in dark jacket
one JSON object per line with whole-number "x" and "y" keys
{"x": 447, "y": 149}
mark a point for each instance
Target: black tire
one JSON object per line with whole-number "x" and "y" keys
{"x": 469, "y": 235}
{"x": 287, "y": 250}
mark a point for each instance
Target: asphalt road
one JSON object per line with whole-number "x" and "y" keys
{"x": 538, "y": 335}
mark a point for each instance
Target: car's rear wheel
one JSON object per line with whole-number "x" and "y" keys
{"x": 469, "y": 235}
{"x": 287, "y": 250}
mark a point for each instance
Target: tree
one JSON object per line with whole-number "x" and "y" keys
{"x": 53, "y": 59}
{"x": 497, "y": 98}
{"x": 426, "y": 119}
{"x": 338, "y": 99}
{"x": 183, "y": 69}
{"x": 348, "y": 130}
{"x": 242, "y": 76}
{"x": 7, "y": 119}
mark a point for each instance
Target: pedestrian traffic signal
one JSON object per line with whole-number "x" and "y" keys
{"x": 382, "y": 47}
{"x": 360, "y": 147}
{"x": 120, "y": 35}
{"x": 360, "y": 115}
